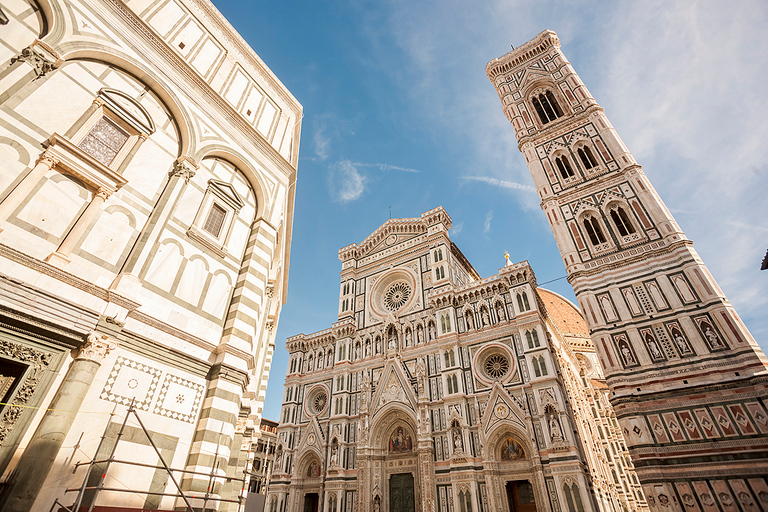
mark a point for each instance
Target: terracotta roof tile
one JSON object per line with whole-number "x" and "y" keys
{"x": 564, "y": 314}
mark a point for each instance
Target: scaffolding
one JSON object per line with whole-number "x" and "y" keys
{"x": 101, "y": 487}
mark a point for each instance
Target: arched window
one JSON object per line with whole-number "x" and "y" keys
{"x": 525, "y": 301}
{"x": 585, "y": 155}
{"x": 620, "y": 219}
{"x": 573, "y": 498}
{"x": 594, "y": 231}
{"x": 465, "y": 501}
{"x": 529, "y": 338}
{"x": 546, "y": 107}
{"x": 439, "y": 273}
{"x": 536, "y": 339}
{"x": 536, "y": 369}
{"x": 543, "y": 365}
{"x": 520, "y": 303}
{"x": 566, "y": 171}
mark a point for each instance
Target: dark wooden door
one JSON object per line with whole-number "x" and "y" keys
{"x": 311, "y": 502}
{"x": 401, "y": 495}
{"x": 520, "y": 496}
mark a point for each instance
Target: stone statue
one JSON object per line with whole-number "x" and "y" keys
{"x": 500, "y": 310}
{"x": 470, "y": 323}
{"x": 457, "y": 448}
{"x": 431, "y": 332}
{"x": 408, "y": 338}
{"x": 334, "y": 455}
{"x": 627, "y": 354}
{"x": 712, "y": 337}
{"x": 554, "y": 428}
{"x": 486, "y": 318}
{"x": 653, "y": 347}
{"x": 392, "y": 342}
{"x": 421, "y": 373}
{"x": 681, "y": 344}
{"x": 419, "y": 335}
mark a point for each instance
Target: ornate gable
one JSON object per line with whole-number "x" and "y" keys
{"x": 393, "y": 386}
{"x": 502, "y": 407}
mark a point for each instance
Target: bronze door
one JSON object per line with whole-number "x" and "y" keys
{"x": 520, "y": 496}
{"x": 401, "y": 495}
{"x": 311, "y": 502}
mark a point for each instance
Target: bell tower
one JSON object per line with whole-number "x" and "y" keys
{"x": 688, "y": 382}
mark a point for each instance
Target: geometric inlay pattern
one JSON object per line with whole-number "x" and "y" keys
{"x": 131, "y": 380}
{"x": 179, "y": 398}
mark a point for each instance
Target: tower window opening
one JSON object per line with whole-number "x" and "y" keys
{"x": 620, "y": 219}
{"x": 546, "y": 107}
{"x": 585, "y": 154}
{"x": 594, "y": 232}
{"x": 566, "y": 171}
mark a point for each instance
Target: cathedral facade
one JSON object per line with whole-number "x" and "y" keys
{"x": 438, "y": 390}
{"x": 147, "y": 171}
{"x": 688, "y": 382}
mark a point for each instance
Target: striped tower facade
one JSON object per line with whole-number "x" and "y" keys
{"x": 687, "y": 380}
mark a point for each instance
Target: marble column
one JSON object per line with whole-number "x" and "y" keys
{"x": 38, "y": 458}
{"x": 61, "y": 255}
{"x": 25, "y": 187}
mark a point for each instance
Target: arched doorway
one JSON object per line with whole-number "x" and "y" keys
{"x": 514, "y": 472}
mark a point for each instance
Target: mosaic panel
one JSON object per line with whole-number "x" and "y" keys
{"x": 131, "y": 380}
{"x": 179, "y": 398}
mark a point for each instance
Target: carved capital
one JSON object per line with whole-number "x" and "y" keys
{"x": 40, "y": 62}
{"x": 182, "y": 169}
{"x": 96, "y": 347}
{"x": 103, "y": 193}
{"x": 47, "y": 159}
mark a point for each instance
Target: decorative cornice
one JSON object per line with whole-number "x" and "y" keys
{"x": 97, "y": 346}
{"x": 519, "y": 56}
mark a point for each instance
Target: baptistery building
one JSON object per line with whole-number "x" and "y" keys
{"x": 147, "y": 173}
{"x": 439, "y": 390}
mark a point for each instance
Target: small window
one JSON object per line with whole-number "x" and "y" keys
{"x": 585, "y": 155}
{"x": 564, "y": 166}
{"x": 546, "y": 107}
{"x": 215, "y": 220}
{"x": 594, "y": 232}
{"x": 536, "y": 369}
{"x": 525, "y": 301}
{"x": 529, "y": 338}
{"x": 543, "y": 365}
{"x": 620, "y": 219}
{"x": 535, "y": 338}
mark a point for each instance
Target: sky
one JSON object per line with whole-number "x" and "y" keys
{"x": 400, "y": 117}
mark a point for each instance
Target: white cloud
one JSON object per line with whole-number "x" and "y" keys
{"x": 346, "y": 184}
{"x": 500, "y": 183}
{"x": 386, "y": 167}
{"x": 456, "y": 229}
{"x": 487, "y": 223}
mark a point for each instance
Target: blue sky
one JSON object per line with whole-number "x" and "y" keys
{"x": 398, "y": 113}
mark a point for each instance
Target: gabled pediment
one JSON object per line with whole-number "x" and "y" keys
{"x": 313, "y": 437}
{"x": 226, "y": 192}
{"x": 394, "y": 386}
{"x": 502, "y": 407}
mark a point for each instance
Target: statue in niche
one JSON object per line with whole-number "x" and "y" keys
{"x": 712, "y": 336}
{"x": 392, "y": 346}
{"x": 457, "y": 443}
{"x": 377, "y": 504}
{"x": 357, "y": 350}
{"x": 470, "y": 323}
{"x": 554, "y": 427}
{"x": 330, "y": 358}
{"x": 486, "y": 317}
{"x": 400, "y": 441}
{"x": 680, "y": 342}
{"x": 378, "y": 345}
{"x": 626, "y": 353}
{"x": 500, "y": 310}
{"x": 335, "y": 455}
{"x": 367, "y": 348}
{"x": 653, "y": 347}
{"x": 320, "y": 361}
{"x": 421, "y": 372}
{"x": 511, "y": 450}
{"x": 419, "y": 335}
{"x": 431, "y": 331}
{"x": 408, "y": 338}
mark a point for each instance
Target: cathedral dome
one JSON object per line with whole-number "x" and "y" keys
{"x": 564, "y": 314}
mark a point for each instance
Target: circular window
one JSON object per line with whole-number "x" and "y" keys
{"x": 396, "y": 296}
{"x": 496, "y": 366}
{"x": 317, "y": 400}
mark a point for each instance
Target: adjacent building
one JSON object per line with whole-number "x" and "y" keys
{"x": 147, "y": 175}
{"x": 439, "y": 390}
{"x": 687, "y": 380}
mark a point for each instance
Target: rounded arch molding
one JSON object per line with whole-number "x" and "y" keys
{"x": 245, "y": 166}
{"x": 502, "y": 431}
{"x": 73, "y": 52}
{"x": 387, "y": 419}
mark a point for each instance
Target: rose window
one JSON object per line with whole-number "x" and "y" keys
{"x": 396, "y": 296}
{"x": 496, "y": 366}
{"x": 319, "y": 402}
